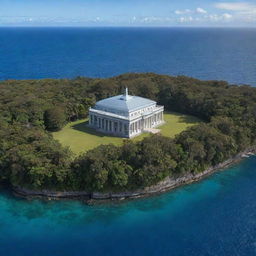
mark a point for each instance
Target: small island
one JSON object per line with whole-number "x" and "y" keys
{"x": 134, "y": 155}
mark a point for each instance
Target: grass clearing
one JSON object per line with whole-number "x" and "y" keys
{"x": 80, "y": 138}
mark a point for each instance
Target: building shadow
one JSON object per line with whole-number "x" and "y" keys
{"x": 84, "y": 127}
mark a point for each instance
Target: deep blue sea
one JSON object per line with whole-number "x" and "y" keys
{"x": 214, "y": 217}
{"x": 223, "y": 54}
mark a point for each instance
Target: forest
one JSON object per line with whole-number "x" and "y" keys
{"x": 31, "y": 109}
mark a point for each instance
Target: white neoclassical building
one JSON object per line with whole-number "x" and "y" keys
{"x": 125, "y": 115}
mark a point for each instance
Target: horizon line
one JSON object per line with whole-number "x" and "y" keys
{"x": 121, "y": 26}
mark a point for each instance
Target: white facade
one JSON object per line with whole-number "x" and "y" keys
{"x": 125, "y": 116}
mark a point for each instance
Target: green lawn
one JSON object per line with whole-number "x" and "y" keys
{"x": 81, "y": 138}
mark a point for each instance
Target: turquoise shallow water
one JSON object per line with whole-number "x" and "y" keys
{"x": 216, "y": 216}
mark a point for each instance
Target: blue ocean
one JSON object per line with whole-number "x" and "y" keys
{"x": 216, "y": 216}
{"x": 223, "y": 54}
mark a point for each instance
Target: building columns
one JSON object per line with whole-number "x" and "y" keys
{"x": 119, "y": 127}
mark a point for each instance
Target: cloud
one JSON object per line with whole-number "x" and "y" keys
{"x": 201, "y": 10}
{"x": 186, "y": 19}
{"x": 198, "y": 10}
{"x": 219, "y": 17}
{"x": 227, "y": 16}
{"x": 242, "y": 11}
{"x": 182, "y": 19}
{"x": 181, "y": 12}
{"x": 153, "y": 19}
{"x": 207, "y": 18}
{"x": 242, "y": 6}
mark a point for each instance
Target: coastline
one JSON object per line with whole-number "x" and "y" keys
{"x": 167, "y": 184}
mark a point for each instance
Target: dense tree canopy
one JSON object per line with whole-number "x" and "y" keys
{"x": 30, "y": 109}
{"x": 54, "y": 118}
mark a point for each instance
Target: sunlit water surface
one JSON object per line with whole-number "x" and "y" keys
{"x": 206, "y": 53}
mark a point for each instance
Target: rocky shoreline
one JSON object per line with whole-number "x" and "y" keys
{"x": 97, "y": 197}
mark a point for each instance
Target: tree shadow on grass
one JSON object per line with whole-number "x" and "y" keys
{"x": 183, "y": 118}
{"x": 189, "y": 119}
